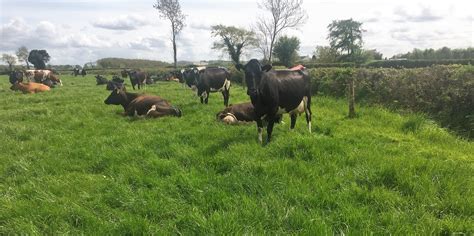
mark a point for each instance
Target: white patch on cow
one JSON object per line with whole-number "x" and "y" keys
{"x": 260, "y": 135}
{"x": 204, "y": 95}
{"x": 229, "y": 119}
{"x": 193, "y": 87}
{"x": 153, "y": 108}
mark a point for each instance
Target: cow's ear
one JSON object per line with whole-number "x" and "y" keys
{"x": 118, "y": 90}
{"x": 239, "y": 67}
{"x": 267, "y": 68}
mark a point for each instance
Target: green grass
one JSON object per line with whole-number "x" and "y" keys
{"x": 69, "y": 164}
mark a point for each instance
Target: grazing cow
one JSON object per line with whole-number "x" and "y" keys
{"x": 243, "y": 112}
{"x": 29, "y": 87}
{"x": 274, "y": 92}
{"x": 213, "y": 80}
{"x": 16, "y": 76}
{"x": 142, "y": 105}
{"x": 137, "y": 78}
{"x": 78, "y": 71}
{"x": 100, "y": 80}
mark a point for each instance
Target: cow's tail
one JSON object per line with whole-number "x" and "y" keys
{"x": 307, "y": 109}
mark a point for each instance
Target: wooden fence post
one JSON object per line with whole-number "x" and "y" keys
{"x": 351, "y": 98}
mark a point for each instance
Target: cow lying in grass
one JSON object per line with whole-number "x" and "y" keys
{"x": 243, "y": 112}
{"x": 100, "y": 80}
{"x": 115, "y": 83}
{"x": 30, "y": 87}
{"x": 142, "y": 105}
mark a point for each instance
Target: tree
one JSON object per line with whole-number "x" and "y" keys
{"x": 345, "y": 37}
{"x": 22, "y": 54}
{"x": 39, "y": 58}
{"x": 286, "y": 50}
{"x": 233, "y": 40}
{"x": 171, "y": 10}
{"x": 285, "y": 14}
{"x": 9, "y": 59}
{"x": 325, "y": 54}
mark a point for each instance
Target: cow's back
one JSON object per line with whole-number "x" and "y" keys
{"x": 214, "y": 77}
{"x": 142, "y": 104}
{"x": 285, "y": 88}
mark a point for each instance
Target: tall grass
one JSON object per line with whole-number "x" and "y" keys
{"x": 69, "y": 164}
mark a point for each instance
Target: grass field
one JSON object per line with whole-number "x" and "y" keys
{"x": 69, "y": 164}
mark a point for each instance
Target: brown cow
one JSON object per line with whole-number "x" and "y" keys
{"x": 30, "y": 87}
{"x": 243, "y": 112}
{"x": 142, "y": 105}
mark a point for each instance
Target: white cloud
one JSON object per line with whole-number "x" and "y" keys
{"x": 123, "y": 22}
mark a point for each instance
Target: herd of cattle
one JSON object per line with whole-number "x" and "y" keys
{"x": 272, "y": 92}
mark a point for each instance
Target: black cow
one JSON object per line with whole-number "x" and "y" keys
{"x": 136, "y": 77}
{"x": 274, "y": 92}
{"x": 116, "y": 83}
{"x": 213, "y": 80}
{"x": 16, "y": 76}
{"x": 101, "y": 80}
{"x": 78, "y": 71}
{"x": 142, "y": 105}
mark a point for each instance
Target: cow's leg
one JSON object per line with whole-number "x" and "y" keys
{"x": 225, "y": 93}
{"x": 308, "y": 113}
{"x": 206, "y": 100}
{"x": 202, "y": 100}
{"x": 260, "y": 130}
{"x": 293, "y": 121}
{"x": 271, "y": 122}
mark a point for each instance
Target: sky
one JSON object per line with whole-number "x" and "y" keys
{"x": 80, "y": 31}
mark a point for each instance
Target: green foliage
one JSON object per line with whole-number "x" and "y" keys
{"x": 325, "y": 54}
{"x": 22, "y": 54}
{"x": 417, "y": 63}
{"x": 233, "y": 40}
{"x": 39, "y": 58}
{"x": 9, "y": 59}
{"x": 129, "y": 63}
{"x": 438, "y": 54}
{"x": 443, "y": 92}
{"x": 345, "y": 37}
{"x": 69, "y": 164}
{"x": 286, "y": 50}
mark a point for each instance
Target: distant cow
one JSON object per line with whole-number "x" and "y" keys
{"x": 100, "y": 80}
{"x": 142, "y": 105}
{"x": 54, "y": 79}
{"x": 78, "y": 71}
{"x": 136, "y": 77}
{"x": 30, "y": 87}
{"x": 213, "y": 80}
{"x": 274, "y": 92}
{"x": 243, "y": 112}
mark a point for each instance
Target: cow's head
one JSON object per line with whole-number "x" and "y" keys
{"x": 253, "y": 75}
{"x": 16, "y": 76}
{"x": 117, "y": 97}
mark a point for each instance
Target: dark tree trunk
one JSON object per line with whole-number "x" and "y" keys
{"x": 174, "y": 51}
{"x": 27, "y": 64}
{"x": 351, "y": 96}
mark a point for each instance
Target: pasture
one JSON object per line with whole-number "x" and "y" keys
{"x": 69, "y": 164}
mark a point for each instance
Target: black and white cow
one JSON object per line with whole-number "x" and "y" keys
{"x": 78, "y": 71}
{"x": 115, "y": 83}
{"x": 213, "y": 80}
{"x": 274, "y": 92}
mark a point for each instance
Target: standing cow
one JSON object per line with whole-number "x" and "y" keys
{"x": 213, "y": 80}
{"x": 274, "y": 92}
{"x": 136, "y": 77}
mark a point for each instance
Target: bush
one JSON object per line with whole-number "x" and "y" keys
{"x": 417, "y": 63}
{"x": 446, "y": 93}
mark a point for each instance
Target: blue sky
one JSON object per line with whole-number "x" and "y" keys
{"x": 79, "y": 31}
